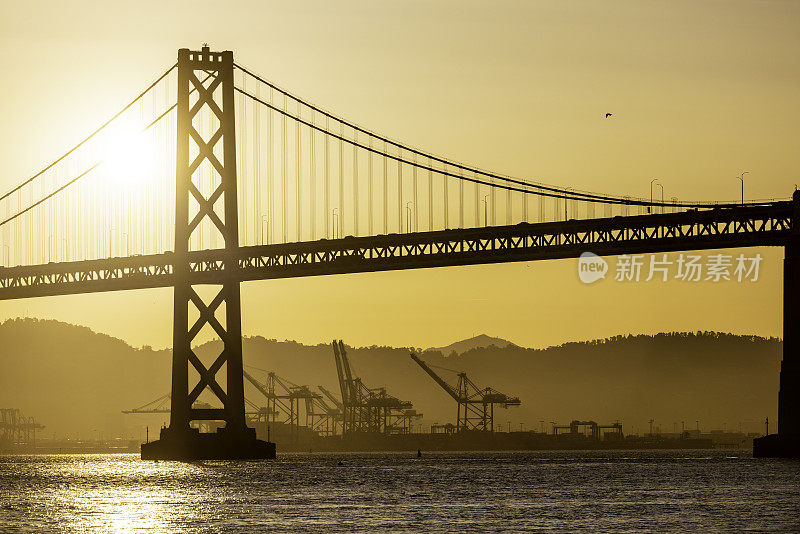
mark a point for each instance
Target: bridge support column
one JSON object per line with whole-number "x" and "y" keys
{"x": 786, "y": 443}
{"x": 205, "y": 96}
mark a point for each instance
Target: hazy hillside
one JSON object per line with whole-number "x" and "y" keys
{"x": 76, "y": 381}
{"x": 714, "y": 378}
{"x": 479, "y": 341}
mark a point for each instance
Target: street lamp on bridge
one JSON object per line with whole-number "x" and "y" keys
{"x": 649, "y": 208}
{"x": 662, "y": 196}
{"x": 741, "y": 179}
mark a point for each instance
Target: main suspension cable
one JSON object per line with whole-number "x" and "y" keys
{"x": 550, "y": 192}
{"x": 97, "y": 164}
{"x": 52, "y": 194}
{"x": 91, "y": 135}
{"x": 556, "y": 192}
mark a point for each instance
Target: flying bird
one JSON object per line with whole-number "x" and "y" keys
{"x": 608, "y": 115}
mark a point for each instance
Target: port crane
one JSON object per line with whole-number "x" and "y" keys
{"x": 337, "y": 409}
{"x": 284, "y": 396}
{"x": 161, "y": 405}
{"x": 331, "y": 397}
{"x": 324, "y": 419}
{"x": 15, "y": 428}
{"x": 475, "y": 405}
{"x": 366, "y": 409}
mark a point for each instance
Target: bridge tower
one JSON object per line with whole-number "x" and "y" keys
{"x": 786, "y": 443}
{"x": 209, "y": 76}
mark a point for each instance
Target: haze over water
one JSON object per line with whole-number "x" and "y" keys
{"x": 609, "y": 491}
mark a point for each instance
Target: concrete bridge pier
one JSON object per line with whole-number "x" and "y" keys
{"x": 786, "y": 443}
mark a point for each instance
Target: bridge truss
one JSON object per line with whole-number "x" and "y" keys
{"x": 306, "y": 193}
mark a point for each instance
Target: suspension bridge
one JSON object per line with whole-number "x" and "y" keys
{"x": 213, "y": 176}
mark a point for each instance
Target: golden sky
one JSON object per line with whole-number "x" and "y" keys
{"x": 700, "y": 91}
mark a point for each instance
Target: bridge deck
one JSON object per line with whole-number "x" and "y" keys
{"x": 745, "y": 226}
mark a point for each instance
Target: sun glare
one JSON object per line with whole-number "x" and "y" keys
{"x": 129, "y": 155}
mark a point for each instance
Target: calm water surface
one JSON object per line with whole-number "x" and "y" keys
{"x": 610, "y": 491}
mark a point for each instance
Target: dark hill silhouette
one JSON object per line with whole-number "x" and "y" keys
{"x": 479, "y": 341}
{"x": 76, "y": 381}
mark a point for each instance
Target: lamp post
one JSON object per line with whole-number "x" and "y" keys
{"x": 662, "y": 196}
{"x": 335, "y": 221}
{"x": 408, "y": 216}
{"x": 485, "y": 211}
{"x": 741, "y": 179}
{"x": 651, "y": 194}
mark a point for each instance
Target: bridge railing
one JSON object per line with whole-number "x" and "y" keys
{"x": 692, "y": 230}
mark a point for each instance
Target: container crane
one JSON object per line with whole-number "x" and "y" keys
{"x": 365, "y": 409}
{"x": 161, "y": 405}
{"x": 16, "y": 429}
{"x": 475, "y": 405}
{"x": 283, "y": 396}
{"x": 325, "y": 419}
{"x": 331, "y": 397}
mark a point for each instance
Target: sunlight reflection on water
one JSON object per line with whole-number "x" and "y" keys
{"x": 445, "y": 492}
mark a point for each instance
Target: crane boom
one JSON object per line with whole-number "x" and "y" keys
{"x": 156, "y": 406}
{"x": 331, "y": 397}
{"x": 438, "y": 379}
{"x": 259, "y": 386}
{"x": 353, "y": 393}
{"x": 343, "y": 384}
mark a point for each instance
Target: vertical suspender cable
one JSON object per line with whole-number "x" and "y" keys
{"x": 370, "y": 200}
{"x": 298, "y": 148}
{"x": 461, "y": 201}
{"x": 446, "y": 199}
{"x": 270, "y": 173}
{"x": 284, "y": 192}
{"x": 243, "y": 194}
{"x": 430, "y": 197}
{"x": 313, "y": 180}
{"x": 477, "y": 189}
{"x": 525, "y": 207}
{"x": 541, "y": 208}
{"x": 258, "y": 230}
{"x": 385, "y": 192}
{"x": 399, "y": 191}
{"x": 355, "y": 184}
{"x": 340, "y": 229}
{"x": 493, "y": 199}
{"x": 327, "y": 180}
{"x": 414, "y": 182}
{"x": 508, "y": 206}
